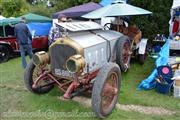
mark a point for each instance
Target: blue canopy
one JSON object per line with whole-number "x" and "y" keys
{"x": 39, "y": 29}
{"x": 162, "y": 59}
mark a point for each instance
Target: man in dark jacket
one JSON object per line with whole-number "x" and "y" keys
{"x": 24, "y": 39}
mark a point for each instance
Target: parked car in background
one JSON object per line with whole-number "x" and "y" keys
{"x": 9, "y": 44}
{"x": 39, "y": 27}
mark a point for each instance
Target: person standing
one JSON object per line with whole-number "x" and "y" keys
{"x": 56, "y": 30}
{"x": 24, "y": 39}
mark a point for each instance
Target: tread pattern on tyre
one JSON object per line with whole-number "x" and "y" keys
{"x": 119, "y": 48}
{"x": 8, "y": 53}
{"x": 142, "y": 59}
{"x": 98, "y": 86}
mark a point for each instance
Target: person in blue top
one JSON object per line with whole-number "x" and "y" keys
{"x": 24, "y": 39}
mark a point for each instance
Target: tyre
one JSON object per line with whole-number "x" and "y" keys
{"x": 31, "y": 73}
{"x": 123, "y": 53}
{"x": 106, "y": 89}
{"x": 142, "y": 58}
{"x": 4, "y": 53}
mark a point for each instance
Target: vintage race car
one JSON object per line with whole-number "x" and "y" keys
{"x": 89, "y": 58}
{"x": 86, "y": 58}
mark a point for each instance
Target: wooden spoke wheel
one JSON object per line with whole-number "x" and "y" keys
{"x": 123, "y": 53}
{"x": 105, "y": 90}
{"x": 31, "y": 74}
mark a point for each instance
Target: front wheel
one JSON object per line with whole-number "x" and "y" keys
{"x": 105, "y": 90}
{"x": 31, "y": 73}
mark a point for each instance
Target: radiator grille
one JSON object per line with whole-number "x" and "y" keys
{"x": 59, "y": 54}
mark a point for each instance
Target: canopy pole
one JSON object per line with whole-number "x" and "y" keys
{"x": 4, "y": 31}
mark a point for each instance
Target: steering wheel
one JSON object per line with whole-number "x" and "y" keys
{"x": 107, "y": 26}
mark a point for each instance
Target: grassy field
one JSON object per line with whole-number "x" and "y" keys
{"x": 17, "y": 103}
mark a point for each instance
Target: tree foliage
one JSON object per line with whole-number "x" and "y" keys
{"x": 0, "y": 7}
{"x": 150, "y": 24}
{"x": 42, "y": 9}
{"x": 158, "y": 22}
{"x": 14, "y": 8}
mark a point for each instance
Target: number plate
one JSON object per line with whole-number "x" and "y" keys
{"x": 64, "y": 73}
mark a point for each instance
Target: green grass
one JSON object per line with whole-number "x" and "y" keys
{"x": 14, "y": 98}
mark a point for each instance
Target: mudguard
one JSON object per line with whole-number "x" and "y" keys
{"x": 142, "y": 46}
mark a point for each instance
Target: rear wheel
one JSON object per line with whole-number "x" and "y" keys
{"x": 4, "y": 53}
{"x": 142, "y": 57}
{"x": 32, "y": 72}
{"x": 105, "y": 90}
{"x": 123, "y": 53}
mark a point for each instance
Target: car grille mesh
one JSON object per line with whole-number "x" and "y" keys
{"x": 59, "y": 54}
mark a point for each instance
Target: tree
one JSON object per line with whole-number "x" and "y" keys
{"x": 30, "y": 1}
{"x": 14, "y": 7}
{"x": 0, "y": 7}
{"x": 42, "y": 9}
{"x": 158, "y": 22}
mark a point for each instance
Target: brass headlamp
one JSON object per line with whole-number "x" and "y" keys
{"x": 75, "y": 63}
{"x": 41, "y": 58}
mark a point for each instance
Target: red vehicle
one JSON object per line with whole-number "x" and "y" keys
{"x": 9, "y": 45}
